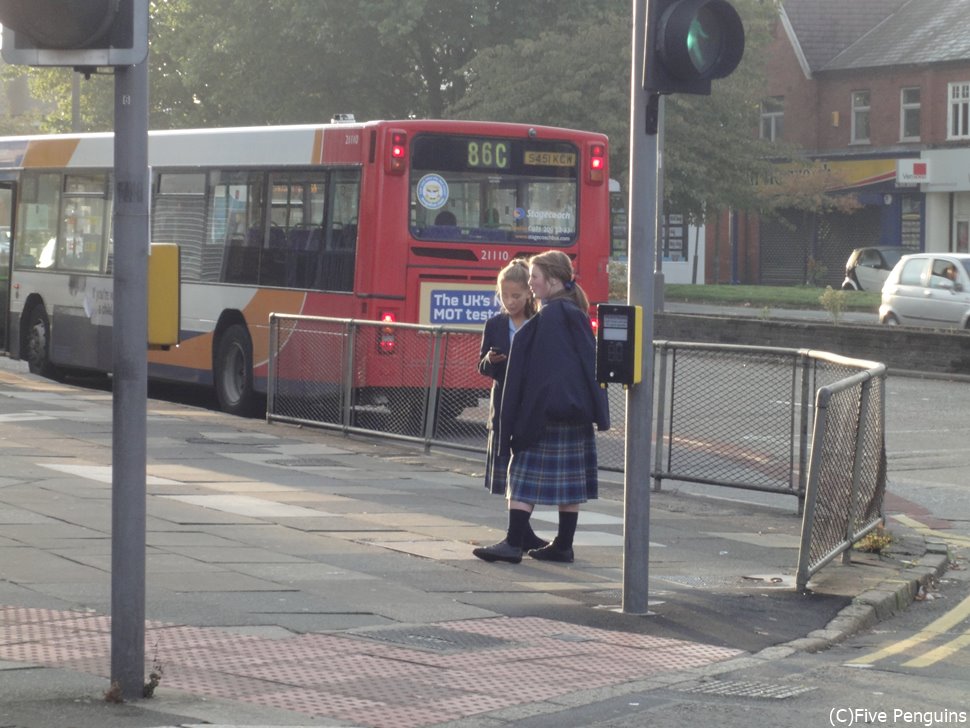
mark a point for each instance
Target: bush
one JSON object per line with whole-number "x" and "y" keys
{"x": 875, "y": 542}
{"x": 834, "y": 302}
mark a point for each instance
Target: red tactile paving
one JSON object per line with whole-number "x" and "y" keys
{"x": 358, "y": 677}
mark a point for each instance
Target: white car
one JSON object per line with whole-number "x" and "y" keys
{"x": 928, "y": 289}
{"x": 867, "y": 268}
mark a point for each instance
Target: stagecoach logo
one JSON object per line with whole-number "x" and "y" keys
{"x": 432, "y": 191}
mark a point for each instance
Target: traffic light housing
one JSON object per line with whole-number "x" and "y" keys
{"x": 78, "y": 33}
{"x": 689, "y": 43}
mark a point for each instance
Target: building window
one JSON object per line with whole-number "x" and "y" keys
{"x": 909, "y": 114}
{"x": 958, "y": 124}
{"x": 860, "y": 117}
{"x": 773, "y": 118}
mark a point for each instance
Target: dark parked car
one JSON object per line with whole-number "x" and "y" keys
{"x": 868, "y": 268}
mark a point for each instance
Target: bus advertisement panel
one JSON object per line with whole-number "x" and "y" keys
{"x": 400, "y": 221}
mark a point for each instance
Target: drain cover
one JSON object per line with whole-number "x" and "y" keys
{"x": 231, "y": 444}
{"x": 306, "y": 462}
{"x": 435, "y": 639}
{"x": 700, "y": 582}
{"x": 744, "y": 689}
{"x": 566, "y": 637}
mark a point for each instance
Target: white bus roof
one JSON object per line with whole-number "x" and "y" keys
{"x": 238, "y": 146}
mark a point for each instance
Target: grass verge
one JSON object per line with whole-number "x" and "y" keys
{"x": 758, "y": 297}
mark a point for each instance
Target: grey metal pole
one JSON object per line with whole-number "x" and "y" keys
{"x": 75, "y": 101}
{"x": 642, "y": 232}
{"x": 130, "y": 379}
{"x": 658, "y": 274}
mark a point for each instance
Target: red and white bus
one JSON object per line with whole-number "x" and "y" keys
{"x": 404, "y": 221}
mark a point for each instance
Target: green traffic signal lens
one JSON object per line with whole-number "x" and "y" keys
{"x": 705, "y": 40}
{"x": 697, "y": 40}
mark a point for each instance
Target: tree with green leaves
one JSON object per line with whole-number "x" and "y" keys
{"x": 555, "y": 62}
{"x": 575, "y": 74}
{"x": 579, "y": 75}
{"x": 235, "y": 62}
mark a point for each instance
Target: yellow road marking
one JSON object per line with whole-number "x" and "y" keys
{"x": 927, "y": 531}
{"x": 952, "y": 618}
{"x": 941, "y": 652}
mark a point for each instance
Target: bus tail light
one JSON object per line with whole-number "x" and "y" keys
{"x": 596, "y": 159}
{"x": 397, "y": 151}
{"x": 386, "y": 339}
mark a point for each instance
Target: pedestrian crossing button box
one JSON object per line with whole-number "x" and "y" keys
{"x": 619, "y": 348}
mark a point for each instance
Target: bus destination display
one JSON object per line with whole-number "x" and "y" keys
{"x": 486, "y": 153}
{"x": 443, "y": 153}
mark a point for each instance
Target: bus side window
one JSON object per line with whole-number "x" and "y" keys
{"x": 336, "y": 263}
{"x": 37, "y": 220}
{"x": 348, "y": 238}
{"x": 296, "y": 210}
{"x": 236, "y": 223}
{"x": 83, "y": 229}
{"x": 179, "y": 217}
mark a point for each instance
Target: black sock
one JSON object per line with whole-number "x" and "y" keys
{"x": 518, "y": 524}
{"x": 567, "y": 529}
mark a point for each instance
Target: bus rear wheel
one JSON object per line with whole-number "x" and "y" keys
{"x": 233, "y": 372}
{"x": 38, "y": 343}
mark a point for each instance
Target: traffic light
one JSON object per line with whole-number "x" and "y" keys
{"x": 689, "y": 43}
{"x": 78, "y": 33}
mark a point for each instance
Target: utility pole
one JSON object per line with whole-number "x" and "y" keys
{"x": 129, "y": 364}
{"x": 679, "y": 46}
{"x": 86, "y": 35}
{"x": 641, "y": 242}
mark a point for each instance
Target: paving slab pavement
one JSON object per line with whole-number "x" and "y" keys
{"x": 299, "y": 577}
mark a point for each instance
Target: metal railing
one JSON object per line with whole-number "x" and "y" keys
{"x": 794, "y": 421}
{"x": 731, "y": 416}
{"x": 401, "y": 380}
{"x": 847, "y": 471}
{"x": 739, "y": 416}
{"x": 758, "y": 418}
{"x": 405, "y": 381}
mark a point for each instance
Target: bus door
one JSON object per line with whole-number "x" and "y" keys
{"x": 6, "y": 236}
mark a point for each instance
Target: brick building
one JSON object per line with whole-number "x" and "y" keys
{"x": 879, "y": 91}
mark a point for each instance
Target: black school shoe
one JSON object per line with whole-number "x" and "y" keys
{"x": 501, "y": 551}
{"x": 534, "y": 543}
{"x": 553, "y": 553}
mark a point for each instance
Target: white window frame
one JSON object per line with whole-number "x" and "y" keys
{"x": 907, "y": 108}
{"x": 774, "y": 116}
{"x": 958, "y": 110}
{"x": 859, "y": 109}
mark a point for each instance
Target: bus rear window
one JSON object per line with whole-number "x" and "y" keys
{"x": 493, "y": 190}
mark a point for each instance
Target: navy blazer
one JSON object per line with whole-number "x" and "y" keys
{"x": 496, "y": 334}
{"x": 551, "y": 375}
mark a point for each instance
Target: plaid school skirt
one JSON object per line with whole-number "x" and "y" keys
{"x": 560, "y": 469}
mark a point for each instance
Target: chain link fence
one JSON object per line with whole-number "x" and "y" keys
{"x": 729, "y": 415}
{"x": 790, "y": 421}
{"x": 847, "y": 471}
{"x": 374, "y": 377}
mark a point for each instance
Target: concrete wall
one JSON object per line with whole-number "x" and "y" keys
{"x": 897, "y": 347}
